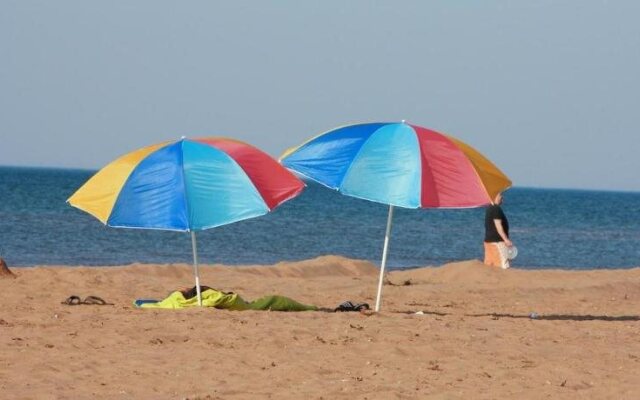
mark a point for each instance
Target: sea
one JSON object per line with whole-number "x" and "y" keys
{"x": 552, "y": 228}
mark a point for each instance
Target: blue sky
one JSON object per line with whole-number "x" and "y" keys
{"x": 549, "y": 90}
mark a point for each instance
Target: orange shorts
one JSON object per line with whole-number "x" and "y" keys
{"x": 495, "y": 256}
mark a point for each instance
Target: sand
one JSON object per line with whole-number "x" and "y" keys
{"x": 474, "y": 338}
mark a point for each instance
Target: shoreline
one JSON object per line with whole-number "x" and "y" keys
{"x": 375, "y": 263}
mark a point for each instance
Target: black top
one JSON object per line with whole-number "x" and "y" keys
{"x": 490, "y": 232}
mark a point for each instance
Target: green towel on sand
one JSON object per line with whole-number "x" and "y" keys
{"x": 229, "y": 301}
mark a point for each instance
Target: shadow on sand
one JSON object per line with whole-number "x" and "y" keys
{"x": 534, "y": 316}
{"x": 561, "y": 317}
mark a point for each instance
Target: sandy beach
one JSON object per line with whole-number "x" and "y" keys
{"x": 473, "y": 339}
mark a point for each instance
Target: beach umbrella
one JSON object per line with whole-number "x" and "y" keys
{"x": 187, "y": 185}
{"x": 398, "y": 164}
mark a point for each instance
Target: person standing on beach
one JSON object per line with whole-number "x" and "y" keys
{"x": 496, "y": 237}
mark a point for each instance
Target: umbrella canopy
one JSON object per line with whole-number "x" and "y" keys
{"x": 398, "y": 164}
{"x": 187, "y": 185}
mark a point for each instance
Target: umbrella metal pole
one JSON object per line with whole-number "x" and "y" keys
{"x": 387, "y": 235}
{"x": 194, "y": 248}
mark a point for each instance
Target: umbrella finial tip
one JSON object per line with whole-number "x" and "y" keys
{"x": 403, "y": 121}
{"x": 183, "y": 137}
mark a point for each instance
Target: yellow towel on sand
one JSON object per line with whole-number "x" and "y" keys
{"x": 210, "y": 298}
{"x": 228, "y": 301}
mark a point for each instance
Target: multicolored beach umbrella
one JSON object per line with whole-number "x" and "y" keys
{"x": 398, "y": 164}
{"x": 187, "y": 185}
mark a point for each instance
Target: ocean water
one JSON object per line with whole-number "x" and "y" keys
{"x": 569, "y": 229}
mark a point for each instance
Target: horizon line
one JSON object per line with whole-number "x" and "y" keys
{"x": 84, "y": 169}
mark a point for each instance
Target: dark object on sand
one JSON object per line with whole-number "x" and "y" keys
{"x": 72, "y": 301}
{"x": 4, "y": 270}
{"x": 406, "y": 282}
{"x": 349, "y": 306}
{"x": 89, "y": 300}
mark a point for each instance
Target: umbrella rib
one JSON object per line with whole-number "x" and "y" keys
{"x": 475, "y": 170}
{"x": 353, "y": 160}
{"x": 299, "y": 147}
{"x": 184, "y": 186}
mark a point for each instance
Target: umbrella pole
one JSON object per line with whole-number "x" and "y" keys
{"x": 387, "y": 235}
{"x": 194, "y": 248}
